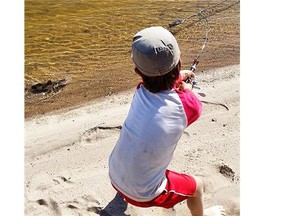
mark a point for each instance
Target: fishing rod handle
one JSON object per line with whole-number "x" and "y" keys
{"x": 193, "y": 66}
{"x": 191, "y": 80}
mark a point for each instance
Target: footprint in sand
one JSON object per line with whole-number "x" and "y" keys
{"x": 85, "y": 203}
{"x": 52, "y": 204}
{"x": 95, "y": 209}
{"x": 42, "y": 202}
{"x": 98, "y": 133}
{"x": 60, "y": 179}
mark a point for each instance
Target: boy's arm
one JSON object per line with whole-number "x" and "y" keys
{"x": 191, "y": 103}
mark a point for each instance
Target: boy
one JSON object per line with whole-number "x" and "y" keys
{"x": 163, "y": 106}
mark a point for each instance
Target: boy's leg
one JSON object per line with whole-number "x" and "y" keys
{"x": 195, "y": 203}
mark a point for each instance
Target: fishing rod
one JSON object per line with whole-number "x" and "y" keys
{"x": 201, "y": 16}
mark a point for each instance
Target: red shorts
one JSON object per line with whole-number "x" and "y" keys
{"x": 179, "y": 187}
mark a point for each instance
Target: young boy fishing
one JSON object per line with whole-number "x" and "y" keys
{"x": 163, "y": 106}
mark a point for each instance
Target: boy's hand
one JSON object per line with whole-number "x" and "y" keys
{"x": 183, "y": 85}
{"x": 186, "y": 73}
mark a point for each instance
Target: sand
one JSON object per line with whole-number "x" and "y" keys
{"x": 66, "y": 153}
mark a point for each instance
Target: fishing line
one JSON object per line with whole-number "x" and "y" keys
{"x": 202, "y": 15}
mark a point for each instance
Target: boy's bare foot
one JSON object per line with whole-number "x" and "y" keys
{"x": 217, "y": 210}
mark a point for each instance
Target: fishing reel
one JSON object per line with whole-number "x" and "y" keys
{"x": 193, "y": 80}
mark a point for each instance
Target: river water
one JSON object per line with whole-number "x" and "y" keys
{"x": 68, "y": 37}
{"x": 88, "y": 42}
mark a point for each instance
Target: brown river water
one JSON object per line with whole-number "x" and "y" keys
{"x": 88, "y": 42}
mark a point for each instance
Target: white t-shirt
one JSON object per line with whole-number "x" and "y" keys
{"x": 148, "y": 138}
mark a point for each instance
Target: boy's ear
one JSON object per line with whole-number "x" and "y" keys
{"x": 137, "y": 71}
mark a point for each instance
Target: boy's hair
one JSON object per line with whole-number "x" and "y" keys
{"x": 160, "y": 83}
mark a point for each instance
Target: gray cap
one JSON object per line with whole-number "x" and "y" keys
{"x": 155, "y": 51}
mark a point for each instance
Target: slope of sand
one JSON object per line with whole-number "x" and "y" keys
{"x": 66, "y": 154}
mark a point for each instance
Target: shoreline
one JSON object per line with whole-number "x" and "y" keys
{"x": 30, "y": 114}
{"x": 95, "y": 70}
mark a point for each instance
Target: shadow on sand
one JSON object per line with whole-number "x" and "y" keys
{"x": 116, "y": 207}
